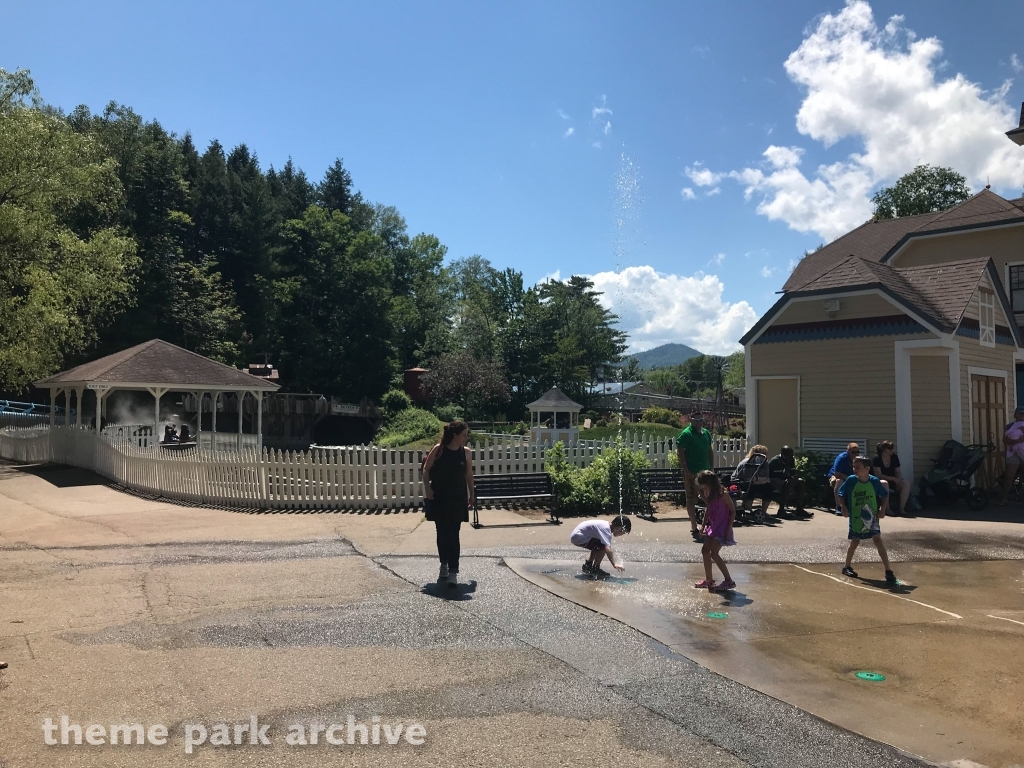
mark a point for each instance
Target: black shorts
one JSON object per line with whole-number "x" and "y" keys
{"x": 760, "y": 491}
{"x": 594, "y": 545}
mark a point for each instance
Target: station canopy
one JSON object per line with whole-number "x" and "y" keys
{"x": 157, "y": 365}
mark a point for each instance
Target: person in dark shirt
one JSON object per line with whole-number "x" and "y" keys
{"x": 785, "y": 481}
{"x": 886, "y": 467}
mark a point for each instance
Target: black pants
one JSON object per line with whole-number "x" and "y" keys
{"x": 448, "y": 543}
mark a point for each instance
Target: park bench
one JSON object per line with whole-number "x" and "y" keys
{"x": 518, "y": 488}
{"x": 660, "y": 482}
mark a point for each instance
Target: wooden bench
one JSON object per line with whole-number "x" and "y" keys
{"x": 661, "y": 482}
{"x": 527, "y": 486}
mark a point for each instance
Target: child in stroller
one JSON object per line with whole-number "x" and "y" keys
{"x": 751, "y": 480}
{"x": 950, "y": 477}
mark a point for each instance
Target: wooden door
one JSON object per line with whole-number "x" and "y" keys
{"x": 988, "y": 419}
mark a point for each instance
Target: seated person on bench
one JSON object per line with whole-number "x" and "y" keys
{"x": 842, "y": 468}
{"x": 886, "y": 467}
{"x": 170, "y": 435}
{"x": 786, "y": 482}
{"x": 753, "y": 471}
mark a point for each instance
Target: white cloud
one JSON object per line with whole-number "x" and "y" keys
{"x": 767, "y": 272}
{"x": 719, "y": 258}
{"x": 569, "y": 132}
{"x": 607, "y": 128}
{"x": 687, "y": 193}
{"x": 701, "y": 176}
{"x": 784, "y": 157}
{"x": 596, "y": 144}
{"x": 1016, "y": 63}
{"x": 713, "y": 192}
{"x": 563, "y": 115}
{"x": 882, "y": 87}
{"x": 656, "y": 308}
{"x": 555, "y": 277}
{"x": 601, "y": 110}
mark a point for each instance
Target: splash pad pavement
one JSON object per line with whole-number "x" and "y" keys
{"x": 931, "y": 667}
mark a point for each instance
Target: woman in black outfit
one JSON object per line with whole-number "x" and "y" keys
{"x": 448, "y": 485}
{"x": 886, "y": 466}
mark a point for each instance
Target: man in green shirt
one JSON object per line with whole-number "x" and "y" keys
{"x": 693, "y": 446}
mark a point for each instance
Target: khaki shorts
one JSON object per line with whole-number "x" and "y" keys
{"x": 692, "y": 491}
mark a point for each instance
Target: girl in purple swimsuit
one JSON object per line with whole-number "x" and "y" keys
{"x": 718, "y": 522}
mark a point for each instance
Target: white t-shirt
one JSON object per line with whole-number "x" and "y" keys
{"x": 592, "y": 529}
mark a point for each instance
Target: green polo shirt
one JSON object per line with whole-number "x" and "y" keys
{"x": 696, "y": 445}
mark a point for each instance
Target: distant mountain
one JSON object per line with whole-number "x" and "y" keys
{"x": 666, "y": 355}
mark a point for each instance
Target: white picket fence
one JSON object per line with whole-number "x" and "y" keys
{"x": 357, "y": 477}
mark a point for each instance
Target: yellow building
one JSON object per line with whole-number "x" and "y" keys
{"x": 904, "y": 329}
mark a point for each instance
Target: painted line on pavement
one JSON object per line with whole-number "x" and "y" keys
{"x": 1003, "y": 618}
{"x": 876, "y": 591}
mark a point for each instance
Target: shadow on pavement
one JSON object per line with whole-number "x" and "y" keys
{"x": 62, "y": 476}
{"x": 444, "y": 592}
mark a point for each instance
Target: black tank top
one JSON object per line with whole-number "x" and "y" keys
{"x": 448, "y": 481}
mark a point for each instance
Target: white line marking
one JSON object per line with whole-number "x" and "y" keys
{"x": 1003, "y": 618}
{"x": 877, "y": 591}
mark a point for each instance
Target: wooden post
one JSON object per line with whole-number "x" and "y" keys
{"x": 259, "y": 419}
{"x": 214, "y": 399}
{"x": 78, "y": 406}
{"x": 199, "y": 420}
{"x": 53, "y": 406}
{"x": 241, "y": 399}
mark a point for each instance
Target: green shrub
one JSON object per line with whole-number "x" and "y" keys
{"x": 656, "y": 415}
{"x": 393, "y": 402}
{"x": 448, "y": 413}
{"x": 594, "y": 489}
{"x": 408, "y": 426}
{"x": 816, "y": 488}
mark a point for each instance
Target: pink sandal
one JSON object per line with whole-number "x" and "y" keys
{"x": 705, "y": 584}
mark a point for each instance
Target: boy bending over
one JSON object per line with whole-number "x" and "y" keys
{"x": 597, "y": 535}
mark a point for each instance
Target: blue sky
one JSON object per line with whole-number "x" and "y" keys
{"x": 668, "y": 149}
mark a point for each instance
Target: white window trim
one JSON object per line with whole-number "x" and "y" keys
{"x": 986, "y": 312}
{"x": 1006, "y": 285}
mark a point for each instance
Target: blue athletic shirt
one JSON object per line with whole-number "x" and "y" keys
{"x": 843, "y": 465}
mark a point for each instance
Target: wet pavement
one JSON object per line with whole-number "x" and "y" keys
{"x": 117, "y": 607}
{"x": 947, "y": 641}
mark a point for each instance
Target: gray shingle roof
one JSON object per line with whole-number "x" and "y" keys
{"x": 158, "y": 362}
{"x": 876, "y": 240}
{"x": 554, "y": 398}
{"x": 939, "y": 292}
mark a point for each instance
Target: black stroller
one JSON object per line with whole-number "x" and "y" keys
{"x": 743, "y": 490}
{"x": 950, "y": 478}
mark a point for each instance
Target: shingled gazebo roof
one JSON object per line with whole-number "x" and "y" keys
{"x": 160, "y": 365}
{"x": 555, "y": 398}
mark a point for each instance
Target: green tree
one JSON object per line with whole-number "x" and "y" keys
{"x": 735, "y": 377}
{"x": 924, "y": 190}
{"x": 478, "y": 385}
{"x": 581, "y": 333}
{"x": 65, "y": 263}
{"x": 335, "y": 296}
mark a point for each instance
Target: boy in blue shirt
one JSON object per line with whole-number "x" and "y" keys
{"x": 864, "y": 500}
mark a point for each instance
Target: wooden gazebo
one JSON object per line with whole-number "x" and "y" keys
{"x": 157, "y": 367}
{"x": 555, "y": 416}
